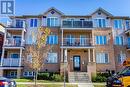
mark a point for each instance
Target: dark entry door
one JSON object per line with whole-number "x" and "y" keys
{"x": 76, "y": 63}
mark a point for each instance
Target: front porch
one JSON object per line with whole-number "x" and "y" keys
{"x": 78, "y": 60}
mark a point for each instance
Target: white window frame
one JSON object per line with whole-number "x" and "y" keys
{"x": 29, "y": 58}
{"x": 101, "y": 60}
{"x": 121, "y": 40}
{"x": 118, "y": 23}
{"x": 122, "y": 57}
{"x": 33, "y": 22}
{"x": 103, "y": 43}
{"x": 53, "y": 39}
{"x": 54, "y": 22}
{"x": 54, "y": 60}
{"x": 97, "y": 24}
{"x": 28, "y": 73}
{"x": 14, "y": 73}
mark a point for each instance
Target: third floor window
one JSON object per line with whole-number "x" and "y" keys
{"x": 33, "y": 22}
{"x": 52, "y": 39}
{"x": 19, "y": 23}
{"x": 118, "y": 24}
{"x": 101, "y": 23}
{"x": 52, "y": 22}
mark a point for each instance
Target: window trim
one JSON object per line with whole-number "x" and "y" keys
{"x": 33, "y": 22}
{"x": 96, "y": 21}
{"x": 100, "y": 54}
{"x": 50, "y": 25}
{"x": 54, "y": 62}
{"x": 100, "y": 40}
{"x": 118, "y": 25}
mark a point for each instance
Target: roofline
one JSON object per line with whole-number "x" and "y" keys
{"x": 2, "y": 25}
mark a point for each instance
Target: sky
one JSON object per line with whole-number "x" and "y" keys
{"x": 72, "y": 7}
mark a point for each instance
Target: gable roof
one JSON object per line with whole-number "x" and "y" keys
{"x": 102, "y": 10}
{"x": 53, "y": 8}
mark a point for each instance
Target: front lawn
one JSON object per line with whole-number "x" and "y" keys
{"x": 29, "y": 80}
{"x": 47, "y": 85}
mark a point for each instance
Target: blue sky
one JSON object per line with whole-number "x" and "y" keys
{"x": 77, "y": 7}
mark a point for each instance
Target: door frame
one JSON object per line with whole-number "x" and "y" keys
{"x": 74, "y": 62}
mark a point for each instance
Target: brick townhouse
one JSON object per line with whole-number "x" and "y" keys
{"x": 2, "y": 31}
{"x": 93, "y": 43}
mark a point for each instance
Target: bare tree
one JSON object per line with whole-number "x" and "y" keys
{"x": 38, "y": 50}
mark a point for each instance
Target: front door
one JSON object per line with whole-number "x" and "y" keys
{"x": 76, "y": 63}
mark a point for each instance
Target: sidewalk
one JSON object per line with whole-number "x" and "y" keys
{"x": 85, "y": 85}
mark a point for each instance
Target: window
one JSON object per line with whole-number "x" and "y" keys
{"x": 52, "y": 39}
{"x": 70, "y": 39}
{"x": 52, "y": 58}
{"x": 19, "y": 23}
{"x": 14, "y": 55}
{"x": 101, "y": 40}
{"x": 128, "y": 42}
{"x": 83, "y": 40}
{"x": 29, "y": 58}
{"x": 100, "y": 23}
{"x": 118, "y": 24}
{"x": 28, "y": 73}
{"x": 13, "y": 74}
{"x": 119, "y": 40}
{"x": 128, "y": 24}
{"x": 52, "y": 22}
{"x": 102, "y": 58}
{"x": 33, "y": 22}
{"x": 121, "y": 57}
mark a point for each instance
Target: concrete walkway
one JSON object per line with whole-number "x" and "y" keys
{"x": 85, "y": 85}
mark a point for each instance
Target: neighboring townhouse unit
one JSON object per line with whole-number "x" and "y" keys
{"x": 2, "y": 31}
{"x": 85, "y": 43}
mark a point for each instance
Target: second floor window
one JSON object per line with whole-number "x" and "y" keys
{"x": 118, "y": 24}
{"x": 102, "y": 58}
{"x": 52, "y": 39}
{"x": 52, "y": 22}
{"x": 33, "y": 22}
{"x": 101, "y": 23}
{"x": 19, "y": 23}
{"x": 101, "y": 40}
{"x": 118, "y": 40}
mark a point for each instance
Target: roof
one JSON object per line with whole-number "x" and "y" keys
{"x": 53, "y": 8}
{"x": 63, "y": 15}
{"x": 102, "y": 10}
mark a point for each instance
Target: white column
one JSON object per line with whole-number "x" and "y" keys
{"x": 89, "y": 59}
{"x": 94, "y": 55}
{"x": 65, "y": 56}
{"x": 20, "y": 59}
{"x": 62, "y": 37}
{"x": 22, "y": 39}
{"x": 2, "y": 57}
{"x": 61, "y": 54}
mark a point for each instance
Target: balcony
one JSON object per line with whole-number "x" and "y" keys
{"x": 16, "y": 27}
{"x": 77, "y": 24}
{"x": 10, "y": 62}
{"x": 11, "y": 42}
{"x": 77, "y": 42}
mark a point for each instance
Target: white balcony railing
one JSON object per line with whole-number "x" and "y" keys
{"x": 10, "y": 62}
{"x": 77, "y": 41}
{"x": 10, "y": 42}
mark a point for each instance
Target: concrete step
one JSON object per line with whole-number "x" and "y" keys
{"x": 81, "y": 77}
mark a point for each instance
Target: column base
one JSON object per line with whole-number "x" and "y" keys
{"x": 91, "y": 68}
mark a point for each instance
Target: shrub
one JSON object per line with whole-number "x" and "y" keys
{"x": 101, "y": 77}
{"x": 43, "y": 76}
{"x": 57, "y": 77}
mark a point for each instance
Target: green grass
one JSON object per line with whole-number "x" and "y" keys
{"x": 47, "y": 85}
{"x": 29, "y": 80}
